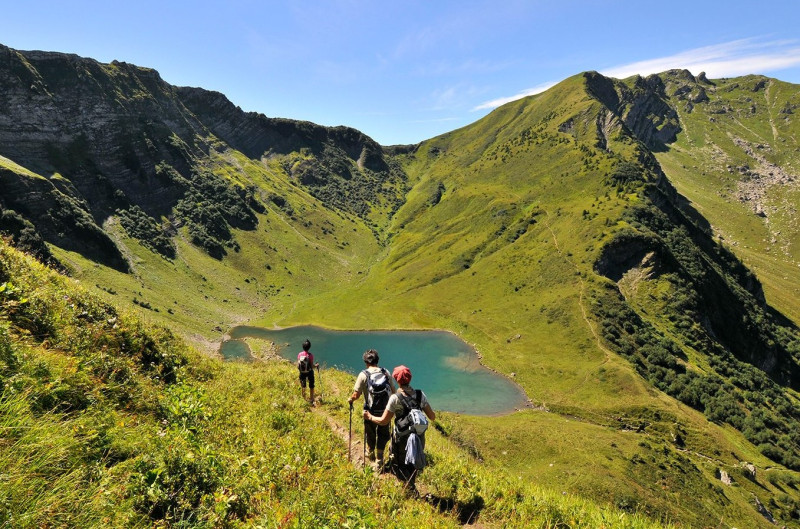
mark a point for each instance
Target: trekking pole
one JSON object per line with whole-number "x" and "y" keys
{"x": 319, "y": 376}
{"x": 364, "y": 446}
{"x": 350, "y": 436}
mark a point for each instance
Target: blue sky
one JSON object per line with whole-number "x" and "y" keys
{"x": 406, "y": 71}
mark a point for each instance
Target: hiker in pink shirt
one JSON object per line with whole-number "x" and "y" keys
{"x": 306, "y": 365}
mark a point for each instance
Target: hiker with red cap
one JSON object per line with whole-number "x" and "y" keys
{"x": 411, "y": 411}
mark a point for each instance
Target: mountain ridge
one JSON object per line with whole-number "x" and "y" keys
{"x": 547, "y": 234}
{"x": 127, "y": 139}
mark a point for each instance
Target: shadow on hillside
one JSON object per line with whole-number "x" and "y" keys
{"x": 467, "y": 512}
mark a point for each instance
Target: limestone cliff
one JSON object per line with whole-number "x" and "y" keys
{"x": 116, "y": 137}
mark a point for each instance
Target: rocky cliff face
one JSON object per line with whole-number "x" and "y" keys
{"x": 341, "y": 166}
{"x": 104, "y": 127}
{"x": 644, "y": 107}
{"x": 257, "y": 135}
{"x": 60, "y": 219}
{"x": 109, "y": 137}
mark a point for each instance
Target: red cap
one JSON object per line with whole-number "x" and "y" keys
{"x": 402, "y": 375}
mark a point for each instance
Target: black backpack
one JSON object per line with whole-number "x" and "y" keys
{"x": 412, "y": 418}
{"x": 304, "y": 364}
{"x": 379, "y": 389}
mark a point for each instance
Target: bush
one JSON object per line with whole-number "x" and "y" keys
{"x": 626, "y": 171}
{"x": 9, "y": 361}
{"x": 725, "y": 408}
{"x": 171, "y": 484}
{"x": 141, "y": 226}
{"x": 184, "y": 407}
{"x": 24, "y": 236}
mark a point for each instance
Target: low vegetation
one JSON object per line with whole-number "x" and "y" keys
{"x": 548, "y": 235}
{"x": 141, "y": 226}
{"x": 109, "y": 423}
{"x": 731, "y": 389}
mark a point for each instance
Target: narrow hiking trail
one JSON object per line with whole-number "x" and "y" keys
{"x": 351, "y": 434}
{"x": 770, "y": 108}
{"x": 587, "y": 415}
{"x": 352, "y": 437}
{"x": 581, "y": 296}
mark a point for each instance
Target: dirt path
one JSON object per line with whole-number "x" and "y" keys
{"x": 351, "y": 434}
{"x": 770, "y": 108}
{"x": 467, "y": 515}
{"x": 356, "y": 443}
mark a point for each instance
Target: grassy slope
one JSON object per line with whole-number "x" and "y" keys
{"x": 423, "y": 281}
{"x": 108, "y": 423}
{"x": 503, "y": 259}
{"x": 15, "y": 167}
{"x": 280, "y": 262}
{"x": 703, "y": 164}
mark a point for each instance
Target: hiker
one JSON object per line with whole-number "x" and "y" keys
{"x": 407, "y": 406}
{"x": 377, "y": 386}
{"x": 306, "y": 365}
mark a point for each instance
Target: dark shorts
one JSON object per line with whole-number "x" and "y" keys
{"x": 309, "y": 377}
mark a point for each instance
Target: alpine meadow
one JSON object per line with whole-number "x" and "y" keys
{"x": 625, "y": 250}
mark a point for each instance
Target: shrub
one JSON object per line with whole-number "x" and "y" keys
{"x": 172, "y": 483}
{"x": 141, "y": 226}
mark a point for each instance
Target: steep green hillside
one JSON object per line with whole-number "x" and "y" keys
{"x": 737, "y": 160}
{"x": 299, "y": 248}
{"x": 549, "y": 234}
{"x": 213, "y": 214}
{"x": 101, "y": 141}
{"x": 110, "y": 423}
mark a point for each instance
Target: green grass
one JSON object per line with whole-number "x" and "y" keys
{"x": 497, "y": 242}
{"x": 769, "y": 246}
{"x": 10, "y": 165}
{"x": 108, "y": 423}
{"x": 283, "y": 260}
{"x": 457, "y": 261}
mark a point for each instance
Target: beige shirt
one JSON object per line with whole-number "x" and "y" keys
{"x": 395, "y": 405}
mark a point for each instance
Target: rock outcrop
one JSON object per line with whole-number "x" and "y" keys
{"x": 111, "y": 137}
{"x": 644, "y": 108}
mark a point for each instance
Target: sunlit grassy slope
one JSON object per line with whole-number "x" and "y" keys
{"x": 298, "y": 249}
{"x": 500, "y": 256}
{"x": 737, "y": 160}
{"x": 106, "y": 422}
{"x": 497, "y": 241}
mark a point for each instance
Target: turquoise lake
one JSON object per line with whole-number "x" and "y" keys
{"x": 442, "y": 365}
